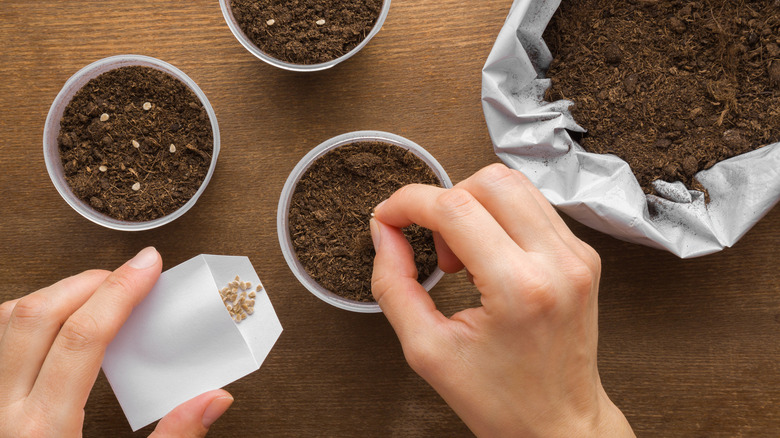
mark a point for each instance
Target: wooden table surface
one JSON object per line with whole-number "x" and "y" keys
{"x": 687, "y": 348}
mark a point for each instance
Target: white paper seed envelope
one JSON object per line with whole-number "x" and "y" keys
{"x": 181, "y": 341}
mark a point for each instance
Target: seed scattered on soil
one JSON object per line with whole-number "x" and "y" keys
{"x": 134, "y": 143}
{"x": 104, "y": 117}
{"x": 302, "y": 35}
{"x": 147, "y": 106}
{"x": 137, "y": 186}
{"x": 172, "y": 148}
{"x": 102, "y": 168}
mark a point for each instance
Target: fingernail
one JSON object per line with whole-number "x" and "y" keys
{"x": 376, "y": 234}
{"x": 144, "y": 259}
{"x": 215, "y": 410}
{"x": 380, "y": 205}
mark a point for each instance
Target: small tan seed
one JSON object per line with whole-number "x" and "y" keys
{"x": 103, "y": 117}
{"x": 147, "y": 106}
{"x": 135, "y": 144}
{"x": 270, "y": 22}
{"x": 320, "y": 22}
{"x": 252, "y": 294}
{"x": 102, "y": 168}
{"x": 259, "y": 287}
{"x": 248, "y": 285}
{"x": 172, "y": 148}
{"x": 137, "y": 186}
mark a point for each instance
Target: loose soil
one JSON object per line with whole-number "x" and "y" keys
{"x": 331, "y": 208}
{"x": 293, "y": 34}
{"x": 101, "y": 163}
{"x": 670, "y": 86}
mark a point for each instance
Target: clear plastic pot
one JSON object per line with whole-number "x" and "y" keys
{"x": 282, "y": 214}
{"x": 51, "y": 130}
{"x": 227, "y": 12}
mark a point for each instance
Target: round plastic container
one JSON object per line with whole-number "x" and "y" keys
{"x": 51, "y": 151}
{"x": 282, "y": 214}
{"x": 227, "y": 12}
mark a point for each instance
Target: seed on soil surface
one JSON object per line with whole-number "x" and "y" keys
{"x": 172, "y": 148}
{"x": 270, "y": 22}
{"x": 147, "y": 106}
{"x": 135, "y": 144}
{"x": 102, "y": 168}
{"x": 103, "y": 117}
{"x": 137, "y": 186}
{"x": 320, "y": 22}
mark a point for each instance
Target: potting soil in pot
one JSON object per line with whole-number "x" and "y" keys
{"x": 135, "y": 143}
{"x": 670, "y": 86}
{"x": 306, "y": 31}
{"x": 331, "y": 208}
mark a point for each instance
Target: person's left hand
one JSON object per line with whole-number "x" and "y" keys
{"x": 52, "y": 344}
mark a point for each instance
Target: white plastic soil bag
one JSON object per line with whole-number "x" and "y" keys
{"x": 529, "y": 134}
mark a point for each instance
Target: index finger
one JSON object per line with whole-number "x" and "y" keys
{"x": 470, "y": 231}
{"x": 72, "y": 365}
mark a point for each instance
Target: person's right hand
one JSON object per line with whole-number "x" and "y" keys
{"x": 524, "y": 363}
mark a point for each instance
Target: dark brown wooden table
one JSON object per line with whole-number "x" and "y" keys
{"x": 687, "y": 348}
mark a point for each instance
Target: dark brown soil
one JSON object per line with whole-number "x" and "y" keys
{"x": 670, "y": 86}
{"x": 101, "y": 163}
{"x": 293, "y": 34}
{"x": 331, "y": 208}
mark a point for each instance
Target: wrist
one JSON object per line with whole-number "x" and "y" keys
{"x": 611, "y": 422}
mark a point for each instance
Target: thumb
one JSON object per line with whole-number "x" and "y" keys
{"x": 193, "y": 418}
{"x": 405, "y": 303}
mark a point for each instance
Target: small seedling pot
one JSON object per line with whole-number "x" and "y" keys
{"x": 51, "y": 151}
{"x": 282, "y": 215}
{"x": 227, "y": 12}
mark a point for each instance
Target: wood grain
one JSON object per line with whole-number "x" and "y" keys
{"x": 688, "y": 348}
